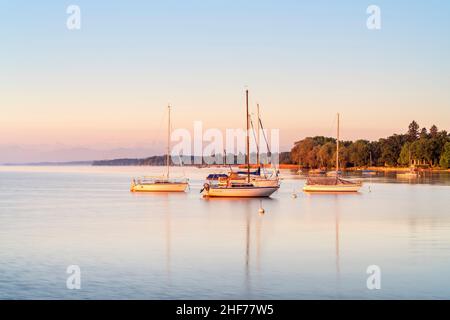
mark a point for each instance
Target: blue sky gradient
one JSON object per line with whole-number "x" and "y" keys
{"x": 107, "y": 84}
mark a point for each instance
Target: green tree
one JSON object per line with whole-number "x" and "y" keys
{"x": 344, "y": 156}
{"x": 300, "y": 153}
{"x": 405, "y": 154}
{"x": 285, "y": 158}
{"x": 359, "y": 153}
{"x": 421, "y": 150}
{"x": 434, "y": 131}
{"x": 312, "y": 160}
{"x": 391, "y": 148}
{"x": 325, "y": 154}
{"x": 413, "y": 131}
{"x": 344, "y": 159}
{"x": 375, "y": 150}
{"x": 423, "y": 133}
{"x": 445, "y": 157}
{"x": 436, "y": 146}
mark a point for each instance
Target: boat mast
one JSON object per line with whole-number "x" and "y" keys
{"x": 248, "y": 139}
{"x": 337, "y": 147}
{"x": 168, "y": 143}
{"x": 257, "y": 138}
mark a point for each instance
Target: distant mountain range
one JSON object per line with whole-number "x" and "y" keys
{"x": 187, "y": 160}
{"x": 69, "y": 163}
{"x": 45, "y": 154}
{"x": 74, "y": 156}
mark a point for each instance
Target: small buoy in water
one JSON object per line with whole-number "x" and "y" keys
{"x": 261, "y": 209}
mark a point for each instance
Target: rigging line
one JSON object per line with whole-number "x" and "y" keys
{"x": 225, "y": 160}
{"x": 257, "y": 146}
{"x": 332, "y": 126}
{"x": 254, "y": 134}
{"x": 180, "y": 156}
{"x": 265, "y": 138}
{"x": 162, "y": 120}
{"x": 269, "y": 152}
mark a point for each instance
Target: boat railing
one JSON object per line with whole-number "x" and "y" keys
{"x": 149, "y": 179}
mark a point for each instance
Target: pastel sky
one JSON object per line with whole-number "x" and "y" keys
{"x": 106, "y": 86}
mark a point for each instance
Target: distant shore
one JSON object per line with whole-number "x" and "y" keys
{"x": 283, "y": 166}
{"x": 353, "y": 169}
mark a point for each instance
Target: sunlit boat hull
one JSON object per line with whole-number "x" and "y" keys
{"x": 407, "y": 175}
{"x": 262, "y": 182}
{"x": 332, "y": 188}
{"x": 333, "y": 173}
{"x": 266, "y": 182}
{"x": 331, "y": 185}
{"x": 159, "y": 187}
{"x": 240, "y": 192}
{"x": 317, "y": 173}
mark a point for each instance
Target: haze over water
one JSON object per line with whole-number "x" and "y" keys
{"x": 173, "y": 246}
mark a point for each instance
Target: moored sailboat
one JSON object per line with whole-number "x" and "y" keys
{"x": 261, "y": 177}
{"x": 411, "y": 174}
{"x": 369, "y": 172}
{"x": 235, "y": 185}
{"x": 332, "y": 184}
{"x": 160, "y": 184}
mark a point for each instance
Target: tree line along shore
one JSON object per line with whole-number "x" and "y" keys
{"x": 418, "y": 147}
{"x": 423, "y": 148}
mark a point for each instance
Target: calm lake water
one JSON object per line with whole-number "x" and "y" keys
{"x": 181, "y": 246}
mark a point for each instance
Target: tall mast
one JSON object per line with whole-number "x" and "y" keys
{"x": 248, "y": 139}
{"x": 257, "y": 138}
{"x": 337, "y": 146}
{"x": 168, "y": 143}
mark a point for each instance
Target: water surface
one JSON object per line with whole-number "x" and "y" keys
{"x": 181, "y": 246}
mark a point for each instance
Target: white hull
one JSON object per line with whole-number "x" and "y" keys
{"x": 159, "y": 187}
{"x": 240, "y": 192}
{"x": 261, "y": 182}
{"x": 266, "y": 182}
{"x": 332, "y": 188}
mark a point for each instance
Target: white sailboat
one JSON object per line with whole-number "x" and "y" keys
{"x": 261, "y": 177}
{"x": 160, "y": 184}
{"x": 265, "y": 178}
{"x": 411, "y": 174}
{"x": 241, "y": 187}
{"x": 369, "y": 172}
{"x": 332, "y": 184}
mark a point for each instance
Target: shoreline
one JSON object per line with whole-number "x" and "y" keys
{"x": 221, "y": 166}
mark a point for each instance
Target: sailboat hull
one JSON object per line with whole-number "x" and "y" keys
{"x": 261, "y": 182}
{"x": 332, "y": 188}
{"x": 266, "y": 182}
{"x": 407, "y": 175}
{"x": 159, "y": 187}
{"x": 244, "y": 192}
